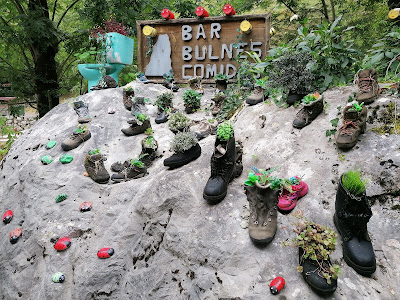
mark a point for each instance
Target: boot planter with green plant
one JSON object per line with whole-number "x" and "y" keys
{"x": 354, "y": 123}
{"x": 258, "y": 94}
{"x": 178, "y": 122}
{"x": 221, "y": 82}
{"x": 315, "y": 244}
{"x": 138, "y": 125}
{"x": 218, "y": 99}
{"x": 138, "y": 106}
{"x": 127, "y": 96}
{"x": 352, "y": 214}
{"x": 164, "y": 103}
{"x": 169, "y": 81}
{"x": 94, "y": 165}
{"x": 195, "y": 84}
{"x": 80, "y": 135}
{"x": 226, "y": 164}
{"x": 185, "y": 149}
{"x": 262, "y": 191}
{"x": 133, "y": 170}
{"x": 313, "y": 105}
{"x": 191, "y": 100}
{"x": 149, "y": 148}
{"x": 288, "y": 197}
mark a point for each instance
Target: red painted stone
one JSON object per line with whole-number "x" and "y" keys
{"x": 15, "y": 234}
{"x": 167, "y": 14}
{"x": 105, "y": 252}
{"x": 62, "y": 244}
{"x": 7, "y": 217}
{"x": 85, "y": 206}
{"x": 229, "y": 10}
{"x": 201, "y": 12}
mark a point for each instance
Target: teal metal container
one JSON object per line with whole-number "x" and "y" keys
{"x": 119, "y": 49}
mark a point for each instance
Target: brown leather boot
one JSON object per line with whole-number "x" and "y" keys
{"x": 263, "y": 212}
{"x": 367, "y": 81}
{"x": 354, "y": 123}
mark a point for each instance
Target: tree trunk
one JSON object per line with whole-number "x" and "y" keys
{"x": 333, "y": 10}
{"x": 46, "y": 79}
{"x": 325, "y": 10}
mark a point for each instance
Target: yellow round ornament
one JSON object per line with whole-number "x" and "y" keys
{"x": 394, "y": 13}
{"x": 245, "y": 26}
{"x": 149, "y": 31}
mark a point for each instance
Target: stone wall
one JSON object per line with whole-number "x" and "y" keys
{"x": 21, "y": 123}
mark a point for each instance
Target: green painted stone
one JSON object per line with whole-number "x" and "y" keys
{"x": 46, "y": 159}
{"x": 61, "y": 197}
{"x": 50, "y": 144}
{"x": 66, "y": 158}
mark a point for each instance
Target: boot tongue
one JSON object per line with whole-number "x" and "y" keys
{"x": 220, "y": 150}
{"x": 364, "y": 74}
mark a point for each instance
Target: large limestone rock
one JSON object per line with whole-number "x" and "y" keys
{"x": 169, "y": 243}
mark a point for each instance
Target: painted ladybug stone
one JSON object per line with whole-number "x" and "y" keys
{"x": 105, "y": 253}
{"x": 15, "y": 234}
{"x": 58, "y": 277}
{"x": 62, "y": 244}
{"x": 7, "y": 217}
{"x": 277, "y": 285}
{"x": 85, "y": 206}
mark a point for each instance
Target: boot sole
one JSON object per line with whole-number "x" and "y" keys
{"x": 263, "y": 241}
{"x": 364, "y": 271}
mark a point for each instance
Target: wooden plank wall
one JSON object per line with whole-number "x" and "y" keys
{"x": 228, "y": 34}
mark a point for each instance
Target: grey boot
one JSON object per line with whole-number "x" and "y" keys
{"x": 82, "y": 109}
{"x": 308, "y": 113}
{"x": 257, "y": 96}
{"x": 263, "y": 212}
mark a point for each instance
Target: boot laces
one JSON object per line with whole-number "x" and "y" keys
{"x": 97, "y": 165}
{"x": 348, "y": 126}
{"x": 366, "y": 84}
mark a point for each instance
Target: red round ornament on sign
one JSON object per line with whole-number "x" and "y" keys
{"x": 229, "y": 10}
{"x": 167, "y": 14}
{"x": 201, "y": 12}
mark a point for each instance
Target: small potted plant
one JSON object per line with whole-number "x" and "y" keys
{"x": 293, "y": 72}
{"x": 169, "y": 81}
{"x": 316, "y": 243}
{"x": 149, "y": 148}
{"x": 178, "y": 122}
{"x": 135, "y": 169}
{"x": 127, "y": 95}
{"x": 139, "y": 124}
{"x": 186, "y": 149}
{"x": 225, "y": 131}
{"x": 191, "y": 100}
{"x": 313, "y": 105}
{"x": 221, "y": 82}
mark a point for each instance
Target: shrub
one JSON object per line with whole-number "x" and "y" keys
{"x": 164, "y": 101}
{"x": 191, "y": 100}
{"x": 353, "y": 183}
{"x": 178, "y": 121}
{"x": 183, "y": 141}
{"x": 221, "y": 77}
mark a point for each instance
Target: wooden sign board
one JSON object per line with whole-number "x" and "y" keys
{"x": 200, "y": 46}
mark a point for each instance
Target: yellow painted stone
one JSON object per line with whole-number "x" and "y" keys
{"x": 394, "y": 13}
{"x": 272, "y": 31}
{"x": 149, "y": 31}
{"x": 245, "y": 26}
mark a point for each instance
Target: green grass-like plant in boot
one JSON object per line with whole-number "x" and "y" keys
{"x": 353, "y": 182}
{"x": 225, "y": 131}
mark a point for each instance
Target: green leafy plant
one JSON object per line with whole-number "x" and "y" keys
{"x": 357, "y": 107}
{"x": 353, "y": 182}
{"x": 183, "y": 141}
{"x": 310, "y": 98}
{"x": 225, "y": 131}
{"x": 191, "y": 100}
{"x": 87, "y": 56}
{"x": 81, "y": 129}
{"x": 170, "y": 76}
{"x": 11, "y": 133}
{"x": 151, "y": 142}
{"x": 149, "y": 131}
{"x": 164, "y": 101}
{"x": 265, "y": 177}
{"x": 137, "y": 161}
{"x": 129, "y": 89}
{"x": 221, "y": 77}
{"x": 317, "y": 243}
{"x": 178, "y": 121}
{"x": 17, "y": 110}
{"x": 94, "y": 151}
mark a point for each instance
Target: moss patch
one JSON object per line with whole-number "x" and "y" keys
{"x": 390, "y": 120}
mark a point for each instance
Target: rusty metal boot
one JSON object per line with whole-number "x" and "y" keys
{"x": 354, "y": 123}
{"x": 367, "y": 82}
{"x": 263, "y": 220}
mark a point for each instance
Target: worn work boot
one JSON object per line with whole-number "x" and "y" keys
{"x": 219, "y": 99}
{"x": 367, "y": 82}
{"x": 256, "y": 97}
{"x": 226, "y": 164}
{"x": 94, "y": 165}
{"x": 221, "y": 85}
{"x": 308, "y": 113}
{"x": 149, "y": 150}
{"x": 76, "y": 138}
{"x": 354, "y": 123}
{"x": 352, "y": 214}
{"x": 82, "y": 109}
{"x": 105, "y": 83}
{"x": 138, "y": 106}
{"x": 204, "y": 128}
{"x": 263, "y": 212}
{"x": 195, "y": 84}
{"x": 135, "y": 129}
{"x": 130, "y": 172}
{"x": 182, "y": 158}
{"x": 127, "y": 96}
